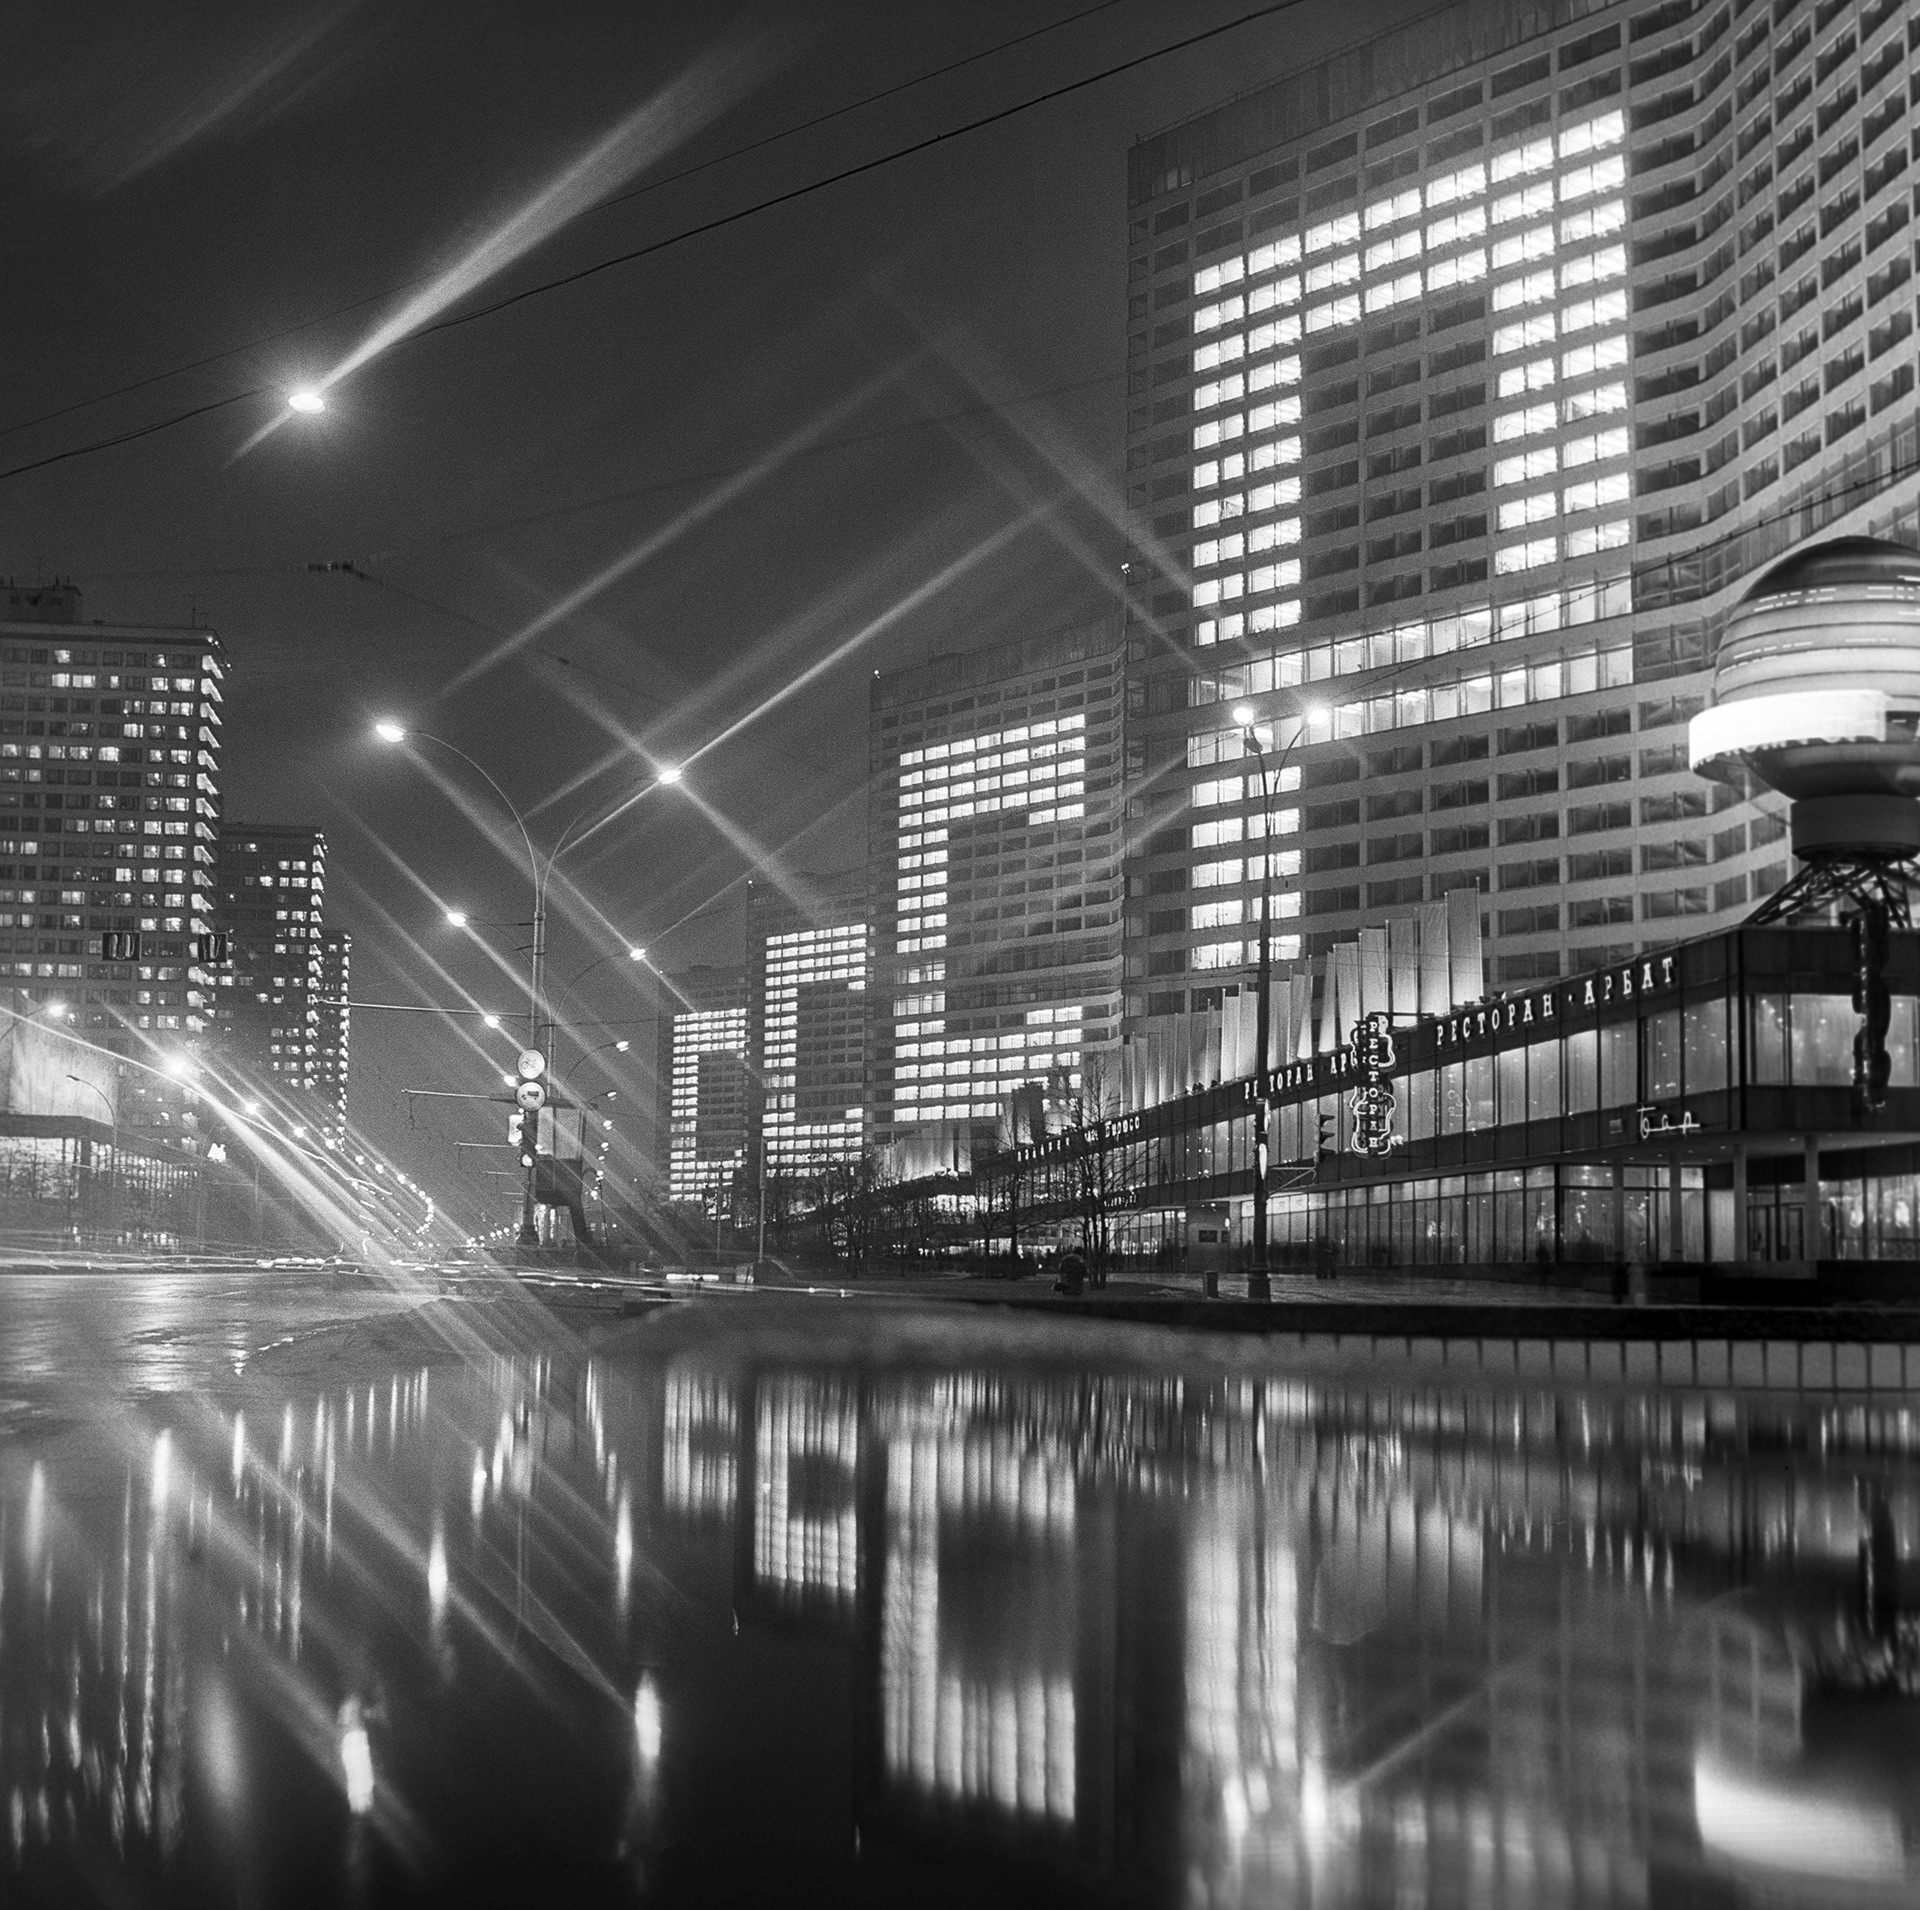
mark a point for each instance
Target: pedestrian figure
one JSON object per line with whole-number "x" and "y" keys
{"x": 1073, "y": 1276}
{"x": 1619, "y": 1281}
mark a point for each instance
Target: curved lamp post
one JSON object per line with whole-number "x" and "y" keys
{"x": 1259, "y": 1279}
{"x": 539, "y": 1027}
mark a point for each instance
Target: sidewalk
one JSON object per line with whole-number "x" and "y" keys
{"x": 1393, "y": 1306}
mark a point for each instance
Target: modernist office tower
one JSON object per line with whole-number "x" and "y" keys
{"x": 994, "y": 842}
{"x": 1471, "y": 373}
{"x": 808, "y": 1034}
{"x": 703, "y": 1076}
{"x": 109, "y": 808}
{"x": 273, "y": 886}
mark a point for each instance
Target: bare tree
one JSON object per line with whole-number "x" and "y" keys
{"x": 1085, "y": 1109}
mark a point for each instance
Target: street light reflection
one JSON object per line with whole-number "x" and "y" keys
{"x": 356, "y": 1757}
{"x": 647, "y": 1724}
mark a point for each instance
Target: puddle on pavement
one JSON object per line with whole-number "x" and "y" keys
{"x": 692, "y": 1621}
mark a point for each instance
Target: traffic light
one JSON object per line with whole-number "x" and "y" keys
{"x": 214, "y": 950}
{"x": 119, "y": 945}
{"x": 1872, "y": 1002}
{"x": 1326, "y": 1149}
{"x": 523, "y": 1134}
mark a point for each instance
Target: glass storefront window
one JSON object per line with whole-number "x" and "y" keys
{"x": 1704, "y": 1038}
{"x": 1583, "y": 1071}
{"x": 1900, "y": 1041}
{"x": 1510, "y": 1075}
{"x": 1479, "y": 1109}
{"x": 1418, "y": 1091}
{"x": 1619, "y": 1064}
{"x": 1453, "y": 1098}
{"x": 1543, "y": 1081}
{"x": 1661, "y": 1036}
{"x": 1768, "y": 1054}
{"x": 1820, "y": 1031}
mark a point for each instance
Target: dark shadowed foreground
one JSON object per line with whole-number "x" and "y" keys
{"x": 778, "y": 1598}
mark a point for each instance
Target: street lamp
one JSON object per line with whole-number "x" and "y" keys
{"x": 1259, "y": 1280}
{"x": 541, "y": 869}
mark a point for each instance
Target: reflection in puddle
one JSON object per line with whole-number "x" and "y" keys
{"x": 1163, "y": 1639}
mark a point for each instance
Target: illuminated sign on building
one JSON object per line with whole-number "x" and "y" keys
{"x": 1372, "y": 1101}
{"x": 1624, "y": 982}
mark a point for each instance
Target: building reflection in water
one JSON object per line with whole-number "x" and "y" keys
{"x": 978, "y": 1620}
{"x": 1168, "y": 1639}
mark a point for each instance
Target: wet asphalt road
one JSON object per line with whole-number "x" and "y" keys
{"x": 78, "y": 1342}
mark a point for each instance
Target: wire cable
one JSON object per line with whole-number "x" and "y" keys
{"x": 718, "y": 223}
{"x": 601, "y": 205}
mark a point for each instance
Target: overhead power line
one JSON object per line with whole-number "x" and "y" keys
{"x": 601, "y": 205}
{"x": 716, "y": 224}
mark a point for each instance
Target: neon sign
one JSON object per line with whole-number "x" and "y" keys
{"x": 1372, "y": 1102}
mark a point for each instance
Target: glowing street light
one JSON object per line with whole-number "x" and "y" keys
{"x": 306, "y": 402}
{"x": 636, "y": 954}
{"x": 1259, "y": 740}
{"x": 672, "y": 773}
{"x": 390, "y": 732}
{"x": 490, "y": 1021}
{"x": 456, "y": 918}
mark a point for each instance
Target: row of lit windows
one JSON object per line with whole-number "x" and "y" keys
{"x": 1585, "y": 541}
{"x": 90, "y": 752}
{"x": 937, "y": 1080}
{"x": 1594, "y": 601}
{"x": 1054, "y": 795}
{"x": 1231, "y": 912}
{"x": 1574, "y": 675}
{"x": 1537, "y": 288}
{"x": 973, "y": 745}
{"x": 1466, "y": 183}
{"x": 1280, "y": 948}
{"x": 1016, "y": 786}
{"x": 802, "y": 942}
{"x": 88, "y": 680}
{"x": 1215, "y": 875}
{"x": 1586, "y": 360}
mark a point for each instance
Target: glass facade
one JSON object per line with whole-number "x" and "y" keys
{"x": 1665, "y": 1108}
{"x": 1457, "y": 420}
{"x": 813, "y": 1045}
{"x": 996, "y": 843}
{"x": 707, "y": 1099}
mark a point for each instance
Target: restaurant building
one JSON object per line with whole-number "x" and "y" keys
{"x": 1693, "y": 1105}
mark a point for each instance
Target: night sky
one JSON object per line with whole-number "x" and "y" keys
{"x": 595, "y": 530}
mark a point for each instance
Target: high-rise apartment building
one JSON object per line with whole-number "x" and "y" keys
{"x": 273, "y": 1037}
{"x": 335, "y": 1028}
{"x": 704, "y": 1076}
{"x": 110, "y": 740}
{"x": 808, "y": 1034}
{"x": 1473, "y": 374}
{"x": 994, "y": 848}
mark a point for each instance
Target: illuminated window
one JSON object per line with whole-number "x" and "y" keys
{"x": 1529, "y": 556}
